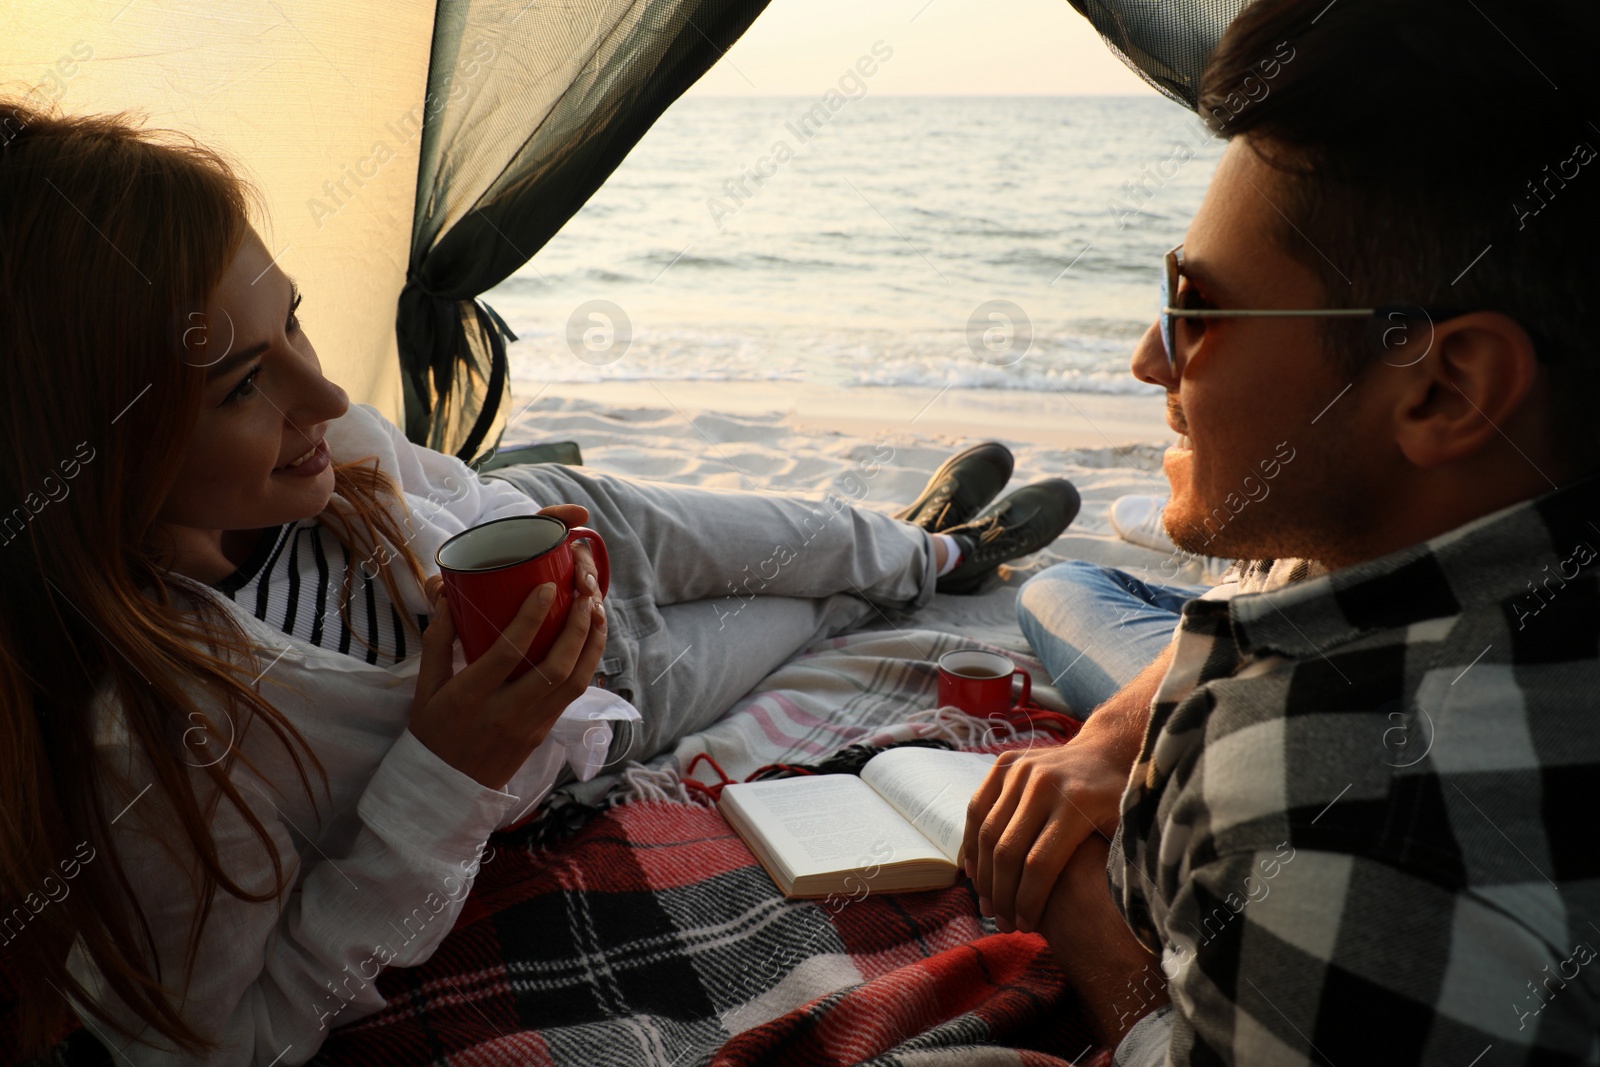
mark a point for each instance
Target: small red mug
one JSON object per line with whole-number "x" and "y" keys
{"x": 490, "y": 569}
{"x": 979, "y": 682}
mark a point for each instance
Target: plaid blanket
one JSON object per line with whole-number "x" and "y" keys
{"x": 653, "y": 937}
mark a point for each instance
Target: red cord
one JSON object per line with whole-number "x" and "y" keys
{"x": 713, "y": 791}
{"x": 722, "y": 774}
{"x": 1029, "y": 717}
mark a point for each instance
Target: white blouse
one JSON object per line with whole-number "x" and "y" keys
{"x": 380, "y": 864}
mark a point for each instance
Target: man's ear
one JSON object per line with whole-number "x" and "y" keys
{"x": 1467, "y": 391}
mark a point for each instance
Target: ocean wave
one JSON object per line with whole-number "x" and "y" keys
{"x": 566, "y": 375}
{"x": 677, "y": 260}
{"x": 872, "y": 281}
{"x": 1076, "y": 363}
{"x": 802, "y": 263}
{"x": 1061, "y": 380}
{"x": 662, "y": 355}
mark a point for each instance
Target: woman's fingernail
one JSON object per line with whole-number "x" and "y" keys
{"x": 1003, "y": 926}
{"x": 972, "y": 869}
{"x": 599, "y": 610}
{"x": 594, "y": 586}
{"x": 985, "y": 908}
{"x": 547, "y": 592}
{"x": 1024, "y": 925}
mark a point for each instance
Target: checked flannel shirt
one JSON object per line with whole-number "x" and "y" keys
{"x": 1363, "y": 825}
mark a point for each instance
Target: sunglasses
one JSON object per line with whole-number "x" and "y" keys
{"x": 1391, "y": 324}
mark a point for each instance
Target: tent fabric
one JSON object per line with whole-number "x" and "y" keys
{"x": 530, "y": 107}
{"x": 1166, "y": 42}
{"x": 319, "y": 105}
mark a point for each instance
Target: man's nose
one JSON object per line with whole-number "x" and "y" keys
{"x": 1150, "y": 360}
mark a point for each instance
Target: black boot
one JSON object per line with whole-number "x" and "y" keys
{"x": 1023, "y": 522}
{"x": 962, "y": 485}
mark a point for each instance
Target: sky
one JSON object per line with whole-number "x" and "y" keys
{"x": 957, "y": 47}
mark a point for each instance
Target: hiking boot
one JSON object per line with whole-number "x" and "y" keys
{"x": 962, "y": 485}
{"x": 1023, "y": 522}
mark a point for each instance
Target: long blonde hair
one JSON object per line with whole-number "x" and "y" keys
{"x": 110, "y": 236}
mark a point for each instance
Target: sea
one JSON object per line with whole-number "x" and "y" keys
{"x": 1010, "y": 243}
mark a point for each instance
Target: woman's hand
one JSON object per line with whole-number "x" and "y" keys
{"x": 587, "y": 576}
{"x": 481, "y": 724}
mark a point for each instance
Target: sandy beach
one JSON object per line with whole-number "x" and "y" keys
{"x": 1059, "y": 420}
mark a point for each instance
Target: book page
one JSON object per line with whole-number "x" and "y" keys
{"x": 931, "y": 788}
{"x": 832, "y": 822}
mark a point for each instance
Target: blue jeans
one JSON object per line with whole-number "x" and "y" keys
{"x": 1094, "y": 628}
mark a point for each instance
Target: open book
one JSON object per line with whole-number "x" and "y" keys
{"x": 897, "y": 827}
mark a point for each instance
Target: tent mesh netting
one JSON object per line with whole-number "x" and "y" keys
{"x": 541, "y": 102}
{"x": 1165, "y": 41}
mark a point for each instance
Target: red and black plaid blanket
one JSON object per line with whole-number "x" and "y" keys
{"x": 654, "y": 937}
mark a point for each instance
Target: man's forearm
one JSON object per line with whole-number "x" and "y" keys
{"x": 1120, "y": 722}
{"x": 1082, "y": 923}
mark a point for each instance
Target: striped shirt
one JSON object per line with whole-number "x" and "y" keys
{"x": 292, "y": 581}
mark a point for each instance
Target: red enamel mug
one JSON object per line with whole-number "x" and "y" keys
{"x": 979, "y": 682}
{"x": 489, "y": 571}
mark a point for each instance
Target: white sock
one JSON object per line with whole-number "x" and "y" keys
{"x": 952, "y": 554}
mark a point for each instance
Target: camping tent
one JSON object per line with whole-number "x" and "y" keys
{"x": 415, "y": 153}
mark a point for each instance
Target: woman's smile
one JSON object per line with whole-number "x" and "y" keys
{"x": 314, "y": 461}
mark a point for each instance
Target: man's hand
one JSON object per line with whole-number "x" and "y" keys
{"x": 1028, "y": 818}
{"x": 1117, "y": 979}
{"x": 1036, "y": 808}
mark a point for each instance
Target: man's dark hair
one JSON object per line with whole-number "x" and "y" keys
{"x": 1418, "y": 133}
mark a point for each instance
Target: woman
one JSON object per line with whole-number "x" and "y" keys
{"x": 246, "y": 766}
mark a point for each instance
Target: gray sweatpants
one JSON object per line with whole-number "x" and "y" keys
{"x": 711, "y": 590}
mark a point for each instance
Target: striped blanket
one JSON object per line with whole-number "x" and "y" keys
{"x": 876, "y": 686}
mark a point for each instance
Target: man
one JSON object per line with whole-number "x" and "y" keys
{"x": 1349, "y": 814}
